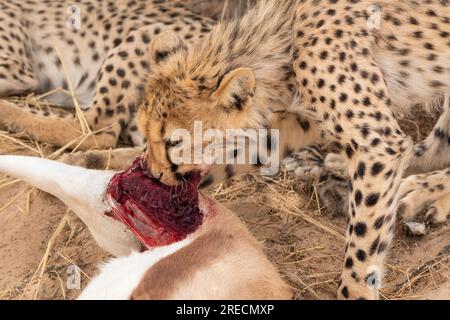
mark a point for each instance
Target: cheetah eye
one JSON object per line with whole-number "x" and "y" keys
{"x": 176, "y": 143}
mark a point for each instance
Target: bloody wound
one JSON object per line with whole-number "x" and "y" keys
{"x": 158, "y": 214}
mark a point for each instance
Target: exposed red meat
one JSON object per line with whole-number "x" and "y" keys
{"x": 158, "y": 214}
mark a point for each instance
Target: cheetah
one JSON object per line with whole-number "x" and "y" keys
{"x": 328, "y": 60}
{"x": 96, "y": 50}
{"x": 97, "y": 53}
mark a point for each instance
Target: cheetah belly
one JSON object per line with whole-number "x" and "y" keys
{"x": 413, "y": 84}
{"x": 77, "y": 69}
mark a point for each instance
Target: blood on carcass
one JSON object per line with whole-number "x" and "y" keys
{"x": 158, "y": 214}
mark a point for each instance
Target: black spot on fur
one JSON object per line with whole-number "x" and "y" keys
{"x": 361, "y": 255}
{"x": 372, "y": 199}
{"x": 360, "y": 229}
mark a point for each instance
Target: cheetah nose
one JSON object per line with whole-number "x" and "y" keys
{"x": 157, "y": 175}
{"x": 152, "y": 170}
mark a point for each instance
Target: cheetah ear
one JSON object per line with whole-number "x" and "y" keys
{"x": 164, "y": 45}
{"x": 235, "y": 89}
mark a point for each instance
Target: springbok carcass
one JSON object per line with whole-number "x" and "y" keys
{"x": 169, "y": 244}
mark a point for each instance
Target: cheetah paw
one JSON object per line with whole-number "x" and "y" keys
{"x": 421, "y": 202}
{"x": 414, "y": 228}
{"x": 307, "y": 164}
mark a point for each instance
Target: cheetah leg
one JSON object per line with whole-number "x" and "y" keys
{"x": 431, "y": 154}
{"x": 56, "y": 130}
{"x": 350, "y": 102}
{"x": 427, "y": 194}
{"x": 117, "y": 159}
{"x": 421, "y": 194}
{"x": 424, "y": 195}
{"x": 118, "y": 94}
{"x": 434, "y": 152}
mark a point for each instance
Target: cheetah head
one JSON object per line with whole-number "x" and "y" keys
{"x": 179, "y": 93}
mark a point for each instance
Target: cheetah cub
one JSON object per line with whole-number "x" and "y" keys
{"x": 350, "y": 67}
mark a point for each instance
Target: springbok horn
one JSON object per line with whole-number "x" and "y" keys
{"x": 82, "y": 190}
